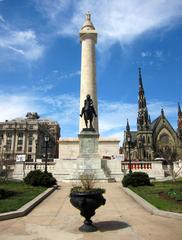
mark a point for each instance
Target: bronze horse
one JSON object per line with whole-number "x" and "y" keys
{"x": 88, "y": 111}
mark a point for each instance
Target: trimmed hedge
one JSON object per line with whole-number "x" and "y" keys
{"x": 136, "y": 179}
{"x": 38, "y": 178}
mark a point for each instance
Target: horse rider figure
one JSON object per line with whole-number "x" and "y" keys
{"x": 88, "y": 111}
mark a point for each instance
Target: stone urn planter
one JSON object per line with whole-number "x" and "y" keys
{"x": 87, "y": 202}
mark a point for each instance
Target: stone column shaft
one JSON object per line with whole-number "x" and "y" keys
{"x": 88, "y": 38}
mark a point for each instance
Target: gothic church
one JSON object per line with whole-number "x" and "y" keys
{"x": 153, "y": 139}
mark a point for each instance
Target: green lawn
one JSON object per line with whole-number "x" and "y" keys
{"x": 163, "y": 195}
{"x": 23, "y": 194}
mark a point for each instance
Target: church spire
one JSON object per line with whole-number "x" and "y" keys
{"x": 179, "y": 108}
{"x": 127, "y": 126}
{"x": 143, "y": 118}
{"x": 140, "y": 79}
{"x": 128, "y": 133}
{"x": 162, "y": 112}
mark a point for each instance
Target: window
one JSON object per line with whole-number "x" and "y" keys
{"x": 164, "y": 138}
{"x": 20, "y": 134}
{"x": 31, "y": 127}
{"x": 8, "y": 142}
{"x": 8, "y": 147}
{"x": 30, "y": 141}
{"x": 9, "y": 134}
{"x": 1, "y": 139}
{"x": 29, "y": 158}
{"x": 30, "y": 135}
{"x": 29, "y": 149}
{"x": 20, "y": 141}
{"x": 19, "y": 148}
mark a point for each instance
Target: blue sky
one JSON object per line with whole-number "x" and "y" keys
{"x": 40, "y": 59}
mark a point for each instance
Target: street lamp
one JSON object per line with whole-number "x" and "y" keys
{"x": 5, "y": 162}
{"x": 129, "y": 154}
{"x": 46, "y": 147}
{"x": 35, "y": 166}
{"x": 140, "y": 146}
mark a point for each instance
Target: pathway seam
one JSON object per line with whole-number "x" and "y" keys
{"x": 149, "y": 207}
{"x": 25, "y": 209}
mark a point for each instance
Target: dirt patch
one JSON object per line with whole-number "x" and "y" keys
{"x": 165, "y": 196}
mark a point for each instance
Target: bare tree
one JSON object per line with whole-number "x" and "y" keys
{"x": 171, "y": 156}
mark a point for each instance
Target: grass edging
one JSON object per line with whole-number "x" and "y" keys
{"x": 149, "y": 207}
{"x": 25, "y": 209}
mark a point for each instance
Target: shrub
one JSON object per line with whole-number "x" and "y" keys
{"x": 136, "y": 179}
{"x": 86, "y": 184}
{"x": 38, "y": 178}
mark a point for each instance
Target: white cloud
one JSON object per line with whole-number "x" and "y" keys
{"x": 65, "y": 110}
{"x": 23, "y": 43}
{"x": 116, "y": 20}
{"x": 2, "y": 19}
{"x": 68, "y": 75}
{"x": 146, "y": 54}
{"x": 13, "y": 106}
{"x": 52, "y": 79}
{"x": 43, "y": 88}
{"x": 155, "y": 54}
{"x": 52, "y": 8}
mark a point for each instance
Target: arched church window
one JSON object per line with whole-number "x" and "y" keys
{"x": 164, "y": 138}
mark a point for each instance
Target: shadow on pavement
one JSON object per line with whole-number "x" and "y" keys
{"x": 110, "y": 225}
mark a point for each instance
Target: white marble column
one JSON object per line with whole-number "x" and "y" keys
{"x": 88, "y": 39}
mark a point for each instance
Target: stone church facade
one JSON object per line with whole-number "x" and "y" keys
{"x": 153, "y": 140}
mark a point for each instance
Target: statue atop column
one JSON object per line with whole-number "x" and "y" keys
{"x": 88, "y": 111}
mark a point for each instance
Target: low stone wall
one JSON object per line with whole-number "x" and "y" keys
{"x": 153, "y": 168}
{"x": 63, "y": 169}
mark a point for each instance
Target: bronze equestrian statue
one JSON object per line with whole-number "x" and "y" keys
{"x": 88, "y": 111}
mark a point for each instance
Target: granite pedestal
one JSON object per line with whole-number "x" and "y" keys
{"x": 89, "y": 161}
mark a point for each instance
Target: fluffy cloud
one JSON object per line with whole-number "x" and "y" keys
{"x": 116, "y": 20}
{"x": 13, "y": 106}
{"x": 24, "y": 43}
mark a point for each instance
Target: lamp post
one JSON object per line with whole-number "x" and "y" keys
{"x": 46, "y": 147}
{"x": 140, "y": 143}
{"x": 5, "y": 162}
{"x": 35, "y": 166}
{"x": 129, "y": 154}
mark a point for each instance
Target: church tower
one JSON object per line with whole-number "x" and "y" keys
{"x": 127, "y": 144}
{"x": 179, "y": 129}
{"x": 144, "y": 133}
{"x": 88, "y": 39}
{"x": 143, "y": 120}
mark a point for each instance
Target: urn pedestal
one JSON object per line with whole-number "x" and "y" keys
{"x": 87, "y": 203}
